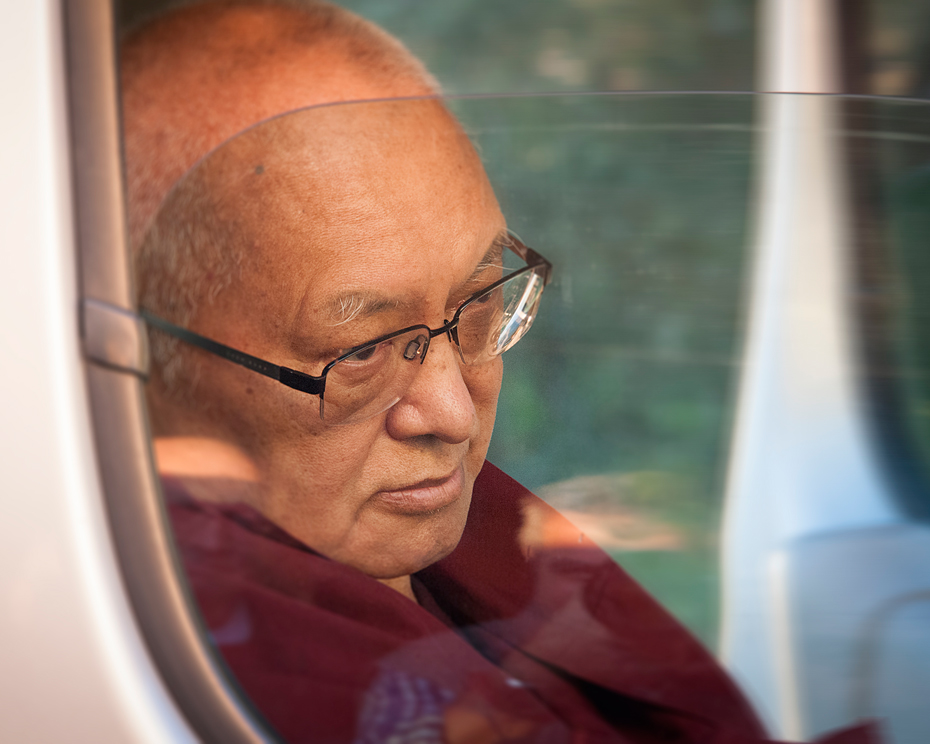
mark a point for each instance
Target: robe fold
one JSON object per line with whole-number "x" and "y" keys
{"x": 510, "y": 641}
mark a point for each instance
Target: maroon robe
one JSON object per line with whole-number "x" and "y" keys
{"x": 557, "y": 645}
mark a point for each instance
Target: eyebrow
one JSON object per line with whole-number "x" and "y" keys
{"x": 491, "y": 259}
{"x": 349, "y": 306}
{"x": 352, "y": 305}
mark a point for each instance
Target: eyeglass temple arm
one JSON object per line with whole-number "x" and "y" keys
{"x": 286, "y": 376}
{"x": 531, "y": 257}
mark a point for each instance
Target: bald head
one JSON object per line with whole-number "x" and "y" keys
{"x": 197, "y": 76}
{"x": 291, "y": 242}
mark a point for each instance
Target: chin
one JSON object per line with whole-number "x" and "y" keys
{"x": 432, "y": 544}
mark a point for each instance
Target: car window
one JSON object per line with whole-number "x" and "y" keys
{"x": 639, "y": 216}
{"x": 487, "y": 47}
{"x": 271, "y": 393}
{"x": 890, "y": 155}
{"x": 617, "y": 407}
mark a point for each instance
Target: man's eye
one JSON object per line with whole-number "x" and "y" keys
{"x": 365, "y": 354}
{"x": 494, "y": 297}
{"x": 370, "y": 354}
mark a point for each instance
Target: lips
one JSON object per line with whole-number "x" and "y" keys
{"x": 425, "y": 496}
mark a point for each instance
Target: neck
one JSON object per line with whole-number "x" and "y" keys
{"x": 400, "y": 584}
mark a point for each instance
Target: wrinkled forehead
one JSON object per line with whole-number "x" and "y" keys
{"x": 348, "y": 178}
{"x": 375, "y": 155}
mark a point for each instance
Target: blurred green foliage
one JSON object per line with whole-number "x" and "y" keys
{"x": 640, "y": 201}
{"x": 896, "y": 48}
{"x": 489, "y": 46}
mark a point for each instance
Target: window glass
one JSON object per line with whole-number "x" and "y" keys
{"x": 894, "y": 40}
{"x": 279, "y": 269}
{"x": 341, "y": 272}
{"x": 616, "y": 407}
{"x": 889, "y": 154}
{"x": 483, "y": 46}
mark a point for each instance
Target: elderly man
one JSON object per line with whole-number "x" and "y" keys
{"x": 329, "y": 292}
{"x": 367, "y": 233}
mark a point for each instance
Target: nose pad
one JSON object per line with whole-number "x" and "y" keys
{"x": 437, "y": 401}
{"x": 416, "y": 348}
{"x": 453, "y": 335}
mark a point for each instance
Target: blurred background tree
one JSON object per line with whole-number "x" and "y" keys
{"x": 482, "y": 46}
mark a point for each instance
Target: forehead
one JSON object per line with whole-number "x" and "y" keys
{"x": 343, "y": 304}
{"x": 361, "y": 198}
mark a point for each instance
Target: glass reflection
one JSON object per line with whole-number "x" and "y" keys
{"x": 304, "y": 544}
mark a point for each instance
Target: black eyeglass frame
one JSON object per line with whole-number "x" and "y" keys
{"x": 316, "y": 384}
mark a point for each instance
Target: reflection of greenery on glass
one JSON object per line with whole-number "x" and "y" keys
{"x": 616, "y": 403}
{"x": 895, "y": 48}
{"x": 483, "y": 46}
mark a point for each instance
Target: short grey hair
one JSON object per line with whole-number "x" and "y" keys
{"x": 188, "y": 256}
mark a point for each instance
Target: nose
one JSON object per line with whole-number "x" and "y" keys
{"x": 438, "y": 402}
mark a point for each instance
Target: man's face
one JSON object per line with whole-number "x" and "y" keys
{"x": 357, "y": 221}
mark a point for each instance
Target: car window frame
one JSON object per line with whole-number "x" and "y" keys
{"x": 115, "y": 349}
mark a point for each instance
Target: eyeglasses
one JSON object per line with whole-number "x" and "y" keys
{"x": 370, "y": 378}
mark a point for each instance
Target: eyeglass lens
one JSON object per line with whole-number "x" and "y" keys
{"x": 375, "y": 377}
{"x": 491, "y": 324}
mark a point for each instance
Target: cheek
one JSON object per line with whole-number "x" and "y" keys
{"x": 484, "y": 385}
{"x": 260, "y": 416}
{"x": 314, "y": 480}
{"x": 269, "y": 411}
{"x": 293, "y": 432}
